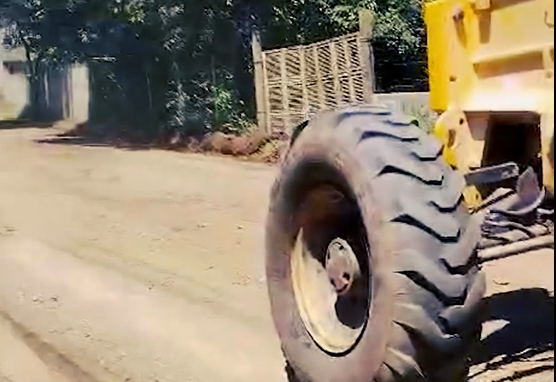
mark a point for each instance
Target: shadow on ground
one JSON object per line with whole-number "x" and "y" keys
{"x": 101, "y": 135}
{"x": 254, "y": 145}
{"x": 529, "y": 333}
{"x": 13, "y": 124}
{"x": 66, "y": 139}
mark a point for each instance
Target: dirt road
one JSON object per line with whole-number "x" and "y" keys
{"x": 146, "y": 266}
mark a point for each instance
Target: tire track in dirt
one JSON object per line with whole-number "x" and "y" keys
{"x": 113, "y": 328}
{"x": 53, "y": 360}
{"x": 155, "y": 234}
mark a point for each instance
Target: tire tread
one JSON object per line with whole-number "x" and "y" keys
{"x": 439, "y": 290}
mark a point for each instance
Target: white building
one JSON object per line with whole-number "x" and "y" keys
{"x": 65, "y": 91}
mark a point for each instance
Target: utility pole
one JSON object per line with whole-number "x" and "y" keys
{"x": 366, "y": 25}
{"x": 260, "y": 91}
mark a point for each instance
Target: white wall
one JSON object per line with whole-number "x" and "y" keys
{"x": 14, "y": 89}
{"x": 14, "y": 94}
{"x": 66, "y": 90}
{"x": 404, "y": 101}
{"x": 66, "y": 94}
{"x": 80, "y": 93}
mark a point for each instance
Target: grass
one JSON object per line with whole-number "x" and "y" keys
{"x": 422, "y": 113}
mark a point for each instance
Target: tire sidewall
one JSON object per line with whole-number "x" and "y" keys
{"x": 322, "y": 142}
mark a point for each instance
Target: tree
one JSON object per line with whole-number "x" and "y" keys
{"x": 175, "y": 65}
{"x": 21, "y": 21}
{"x": 47, "y": 31}
{"x": 398, "y": 37}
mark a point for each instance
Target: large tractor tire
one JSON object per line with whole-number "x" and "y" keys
{"x": 371, "y": 254}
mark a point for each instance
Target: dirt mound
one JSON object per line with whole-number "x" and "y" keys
{"x": 255, "y": 145}
{"x": 243, "y": 145}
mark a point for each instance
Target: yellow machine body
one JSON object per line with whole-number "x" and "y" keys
{"x": 491, "y": 74}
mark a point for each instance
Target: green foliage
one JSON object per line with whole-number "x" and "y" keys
{"x": 422, "y": 114}
{"x": 228, "y": 114}
{"x": 165, "y": 65}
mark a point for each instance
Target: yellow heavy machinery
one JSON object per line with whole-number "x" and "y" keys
{"x": 376, "y": 229}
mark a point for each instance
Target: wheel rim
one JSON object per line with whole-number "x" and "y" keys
{"x": 330, "y": 270}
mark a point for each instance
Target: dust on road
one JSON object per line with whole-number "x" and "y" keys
{"x": 122, "y": 265}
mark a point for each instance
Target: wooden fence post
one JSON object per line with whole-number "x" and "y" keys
{"x": 366, "y": 24}
{"x": 260, "y": 89}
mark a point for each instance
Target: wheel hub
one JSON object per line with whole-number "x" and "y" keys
{"x": 330, "y": 271}
{"x": 341, "y": 266}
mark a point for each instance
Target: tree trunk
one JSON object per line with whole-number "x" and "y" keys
{"x": 36, "y": 96}
{"x": 243, "y": 76}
